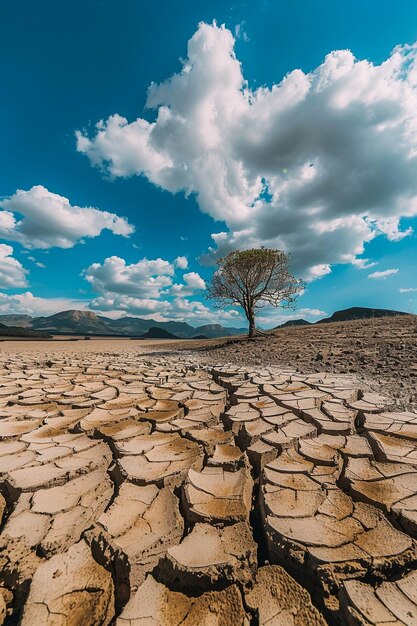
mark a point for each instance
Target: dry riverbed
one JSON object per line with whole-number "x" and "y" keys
{"x": 206, "y": 485}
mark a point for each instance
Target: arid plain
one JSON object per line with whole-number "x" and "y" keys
{"x": 211, "y": 482}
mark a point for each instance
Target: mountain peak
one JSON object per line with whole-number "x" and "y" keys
{"x": 76, "y": 315}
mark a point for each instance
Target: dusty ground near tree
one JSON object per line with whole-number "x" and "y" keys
{"x": 380, "y": 351}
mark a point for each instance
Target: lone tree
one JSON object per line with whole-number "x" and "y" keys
{"x": 252, "y": 279}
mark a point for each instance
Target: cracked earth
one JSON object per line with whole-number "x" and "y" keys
{"x": 157, "y": 490}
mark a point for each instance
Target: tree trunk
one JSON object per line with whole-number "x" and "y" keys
{"x": 251, "y": 318}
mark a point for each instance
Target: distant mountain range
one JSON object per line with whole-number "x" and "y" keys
{"x": 88, "y": 323}
{"x": 346, "y": 315}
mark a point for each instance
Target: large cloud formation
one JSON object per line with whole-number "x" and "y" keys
{"x": 38, "y": 218}
{"x": 318, "y": 164}
{"x": 147, "y": 288}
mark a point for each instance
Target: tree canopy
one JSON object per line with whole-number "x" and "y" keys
{"x": 252, "y": 279}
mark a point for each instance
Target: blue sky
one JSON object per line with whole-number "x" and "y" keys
{"x": 322, "y": 166}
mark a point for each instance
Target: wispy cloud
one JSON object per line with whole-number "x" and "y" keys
{"x": 407, "y": 289}
{"x": 364, "y": 264}
{"x": 383, "y": 275}
{"x": 240, "y": 32}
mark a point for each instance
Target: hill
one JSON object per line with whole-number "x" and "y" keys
{"x": 299, "y": 322}
{"x": 16, "y": 331}
{"x": 128, "y": 326}
{"x": 358, "y": 313}
{"x": 72, "y": 322}
{"x": 138, "y": 326}
{"x": 158, "y": 333}
{"x": 21, "y": 321}
{"x": 212, "y": 331}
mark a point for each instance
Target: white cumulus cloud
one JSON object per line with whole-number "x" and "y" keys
{"x": 130, "y": 305}
{"x": 28, "y": 304}
{"x": 383, "y": 275}
{"x": 318, "y": 164}
{"x": 144, "y": 279}
{"x": 194, "y": 281}
{"x": 147, "y": 289}
{"x": 12, "y": 272}
{"x": 38, "y": 218}
{"x": 181, "y": 262}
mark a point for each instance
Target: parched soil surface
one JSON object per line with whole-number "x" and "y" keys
{"x": 381, "y": 351}
{"x": 155, "y": 490}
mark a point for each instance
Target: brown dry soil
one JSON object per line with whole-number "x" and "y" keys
{"x": 381, "y": 351}
{"x": 195, "y": 488}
